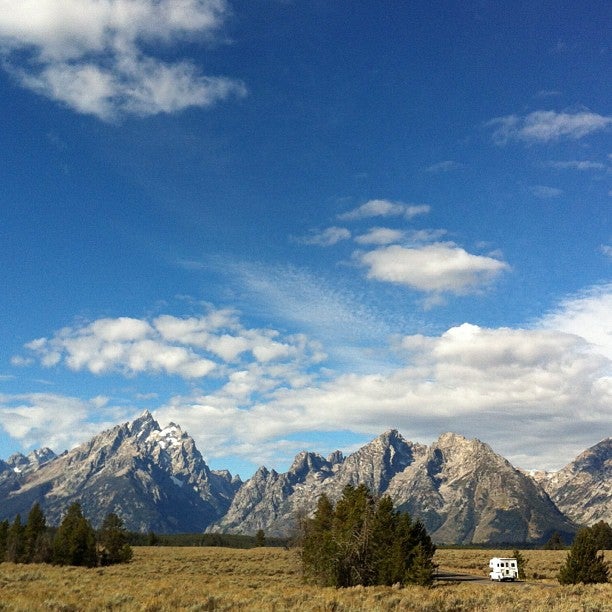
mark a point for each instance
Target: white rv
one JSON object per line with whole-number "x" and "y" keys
{"x": 503, "y": 568}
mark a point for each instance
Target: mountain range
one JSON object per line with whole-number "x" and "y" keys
{"x": 156, "y": 479}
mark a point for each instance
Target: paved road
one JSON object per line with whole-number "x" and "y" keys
{"x": 444, "y": 576}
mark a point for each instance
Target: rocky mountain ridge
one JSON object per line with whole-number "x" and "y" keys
{"x": 156, "y": 479}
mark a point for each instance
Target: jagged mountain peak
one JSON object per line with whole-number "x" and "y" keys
{"x": 335, "y": 458}
{"x": 143, "y": 425}
{"x": 307, "y": 462}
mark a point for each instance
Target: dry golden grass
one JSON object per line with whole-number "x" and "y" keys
{"x": 196, "y": 579}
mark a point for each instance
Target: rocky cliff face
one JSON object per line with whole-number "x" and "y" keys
{"x": 460, "y": 489}
{"x": 153, "y": 478}
{"x": 274, "y": 502}
{"x": 464, "y": 492}
{"x": 583, "y": 488}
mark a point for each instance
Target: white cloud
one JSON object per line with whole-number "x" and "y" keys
{"x": 547, "y": 126}
{"x": 588, "y": 315}
{"x": 545, "y": 192}
{"x": 89, "y": 54}
{"x": 606, "y": 249}
{"x": 520, "y": 390}
{"x": 538, "y": 396}
{"x": 56, "y": 421}
{"x": 327, "y": 237}
{"x": 380, "y": 236}
{"x": 191, "y": 348}
{"x": 385, "y": 208}
{"x": 435, "y": 268}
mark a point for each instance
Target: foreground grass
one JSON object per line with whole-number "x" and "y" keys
{"x": 195, "y": 579}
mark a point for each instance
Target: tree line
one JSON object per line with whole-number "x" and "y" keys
{"x": 74, "y": 542}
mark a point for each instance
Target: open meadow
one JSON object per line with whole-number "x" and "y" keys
{"x": 180, "y": 578}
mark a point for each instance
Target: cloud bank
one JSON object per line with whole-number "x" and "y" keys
{"x": 516, "y": 388}
{"x": 94, "y": 56}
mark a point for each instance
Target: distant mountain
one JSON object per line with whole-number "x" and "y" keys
{"x": 155, "y": 479}
{"x": 464, "y": 492}
{"x": 583, "y": 488}
{"x": 461, "y": 490}
{"x": 273, "y": 502}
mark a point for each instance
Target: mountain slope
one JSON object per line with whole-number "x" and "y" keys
{"x": 464, "y": 492}
{"x": 583, "y": 488}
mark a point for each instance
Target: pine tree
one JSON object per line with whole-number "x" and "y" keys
{"x": 4, "y": 527}
{"x": 15, "y": 545}
{"x": 319, "y": 551}
{"x": 260, "y": 538}
{"x": 113, "y": 543}
{"x": 584, "y": 563}
{"x": 555, "y": 542}
{"x": 521, "y": 564}
{"x": 75, "y": 540}
{"x": 602, "y": 533}
{"x": 37, "y": 548}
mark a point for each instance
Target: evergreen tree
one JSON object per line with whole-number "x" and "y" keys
{"x": 584, "y": 563}
{"x": 365, "y": 541}
{"x": 602, "y": 533}
{"x": 555, "y": 542}
{"x": 37, "y": 548}
{"x": 260, "y": 538}
{"x": 15, "y": 545}
{"x": 113, "y": 541}
{"x": 75, "y": 540}
{"x": 4, "y": 528}
{"x": 319, "y": 550}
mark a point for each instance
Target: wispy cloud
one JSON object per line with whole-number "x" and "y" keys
{"x": 444, "y": 166}
{"x": 575, "y": 164}
{"x": 547, "y": 126}
{"x": 95, "y": 57}
{"x": 311, "y": 303}
{"x": 326, "y": 237}
{"x": 545, "y": 192}
{"x": 380, "y": 236}
{"x": 385, "y": 208}
{"x": 434, "y": 268}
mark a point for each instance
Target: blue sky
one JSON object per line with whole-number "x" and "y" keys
{"x": 292, "y": 225}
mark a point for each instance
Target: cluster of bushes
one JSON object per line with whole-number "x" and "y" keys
{"x": 74, "y": 542}
{"x": 363, "y": 540}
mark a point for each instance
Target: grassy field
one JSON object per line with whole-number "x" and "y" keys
{"x": 164, "y": 578}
